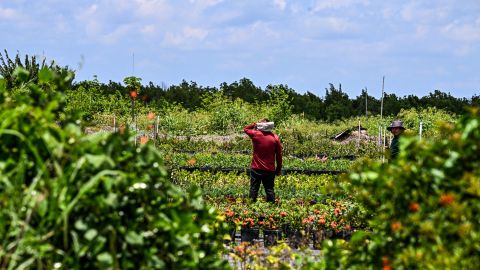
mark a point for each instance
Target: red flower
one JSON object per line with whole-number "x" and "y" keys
{"x": 337, "y": 211}
{"x": 333, "y": 224}
{"x": 229, "y": 213}
{"x": 386, "y": 264}
{"x": 414, "y": 207}
{"x": 396, "y": 226}
{"x": 143, "y": 139}
{"x": 191, "y": 162}
{"x": 446, "y": 199}
{"x": 321, "y": 220}
{"x": 283, "y": 214}
{"x": 133, "y": 94}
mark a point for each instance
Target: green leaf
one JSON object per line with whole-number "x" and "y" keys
{"x": 44, "y": 75}
{"x": 134, "y": 238}
{"x": 42, "y": 207}
{"x": 358, "y": 236}
{"x": 80, "y": 225}
{"x": 471, "y": 126}
{"x": 105, "y": 259}
{"x": 98, "y": 160}
{"x": 21, "y": 74}
{"x": 90, "y": 234}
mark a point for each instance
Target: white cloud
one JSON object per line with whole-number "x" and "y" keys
{"x": 281, "y": 4}
{"x": 463, "y": 32}
{"x": 320, "y": 5}
{"x": 89, "y": 20}
{"x": 149, "y": 29}
{"x": 256, "y": 33}
{"x": 207, "y": 3}
{"x": 158, "y": 8}
{"x": 319, "y": 25}
{"x": 116, "y": 35}
{"x": 415, "y": 12}
{"x": 7, "y": 13}
{"x": 188, "y": 36}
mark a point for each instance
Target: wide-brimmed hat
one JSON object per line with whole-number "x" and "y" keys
{"x": 396, "y": 124}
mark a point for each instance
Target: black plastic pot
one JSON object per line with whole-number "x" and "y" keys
{"x": 318, "y": 236}
{"x": 270, "y": 237}
{"x": 231, "y": 233}
{"x": 249, "y": 234}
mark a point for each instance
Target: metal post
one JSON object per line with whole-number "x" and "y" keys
{"x": 156, "y": 128}
{"x": 366, "y": 98}
{"x": 133, "y": 111}
{"x": 359, "y": 133}
{"x": 421, "y": 128}
{"x": 383, "y": 146}
{"x": 381, "y": 102}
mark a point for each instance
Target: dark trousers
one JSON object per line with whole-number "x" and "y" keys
{"x": 267, "y": 178}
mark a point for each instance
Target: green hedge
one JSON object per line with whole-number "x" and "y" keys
{"x": 90, "y": 202}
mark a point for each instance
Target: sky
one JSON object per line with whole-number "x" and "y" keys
{"x": 419, "y": 46}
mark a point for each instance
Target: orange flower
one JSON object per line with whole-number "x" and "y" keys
{"x": 414, "y": 207}
{"x": 151, "y": 116}
{"x": 143, "y": 139}
{"x": 396, "y": 226}
{"x": 337, "y": 211}
{"x": 192, "y": 162}
{"x": 133, "y": 94}
{"x": 149, "y": 127}
{"x": 283, "y": 214}
{"x": 229, "y": 213}
{"x": 446, "y": 199}
{"x": 386, "y": 263}
{"x": 321, "y": 220}
{"x": 333, "y": 224}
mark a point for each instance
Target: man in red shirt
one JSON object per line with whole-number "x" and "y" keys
{"x": 267, "y": 149}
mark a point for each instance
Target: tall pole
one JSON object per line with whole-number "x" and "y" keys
{"x": 366, "y": 97}
{"x": 381, "y": 102}
{"x": 133, "y": 64}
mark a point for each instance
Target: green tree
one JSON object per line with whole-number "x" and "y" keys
{"x": 338, "y": 105}
{"x": 279, "y": 106}
{"x": 31, "y": 65}
{"x": 423, "y": 208}
{"x": 90, "y": 202}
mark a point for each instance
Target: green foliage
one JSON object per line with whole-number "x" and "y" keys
{"x": 96, "y": 202}
{"x": 226, "y": 114}
{"x": 430, "y": 118}
{"x": 32, "y": 68}
{"x": 423, "y": 207}
{"x": 279, "y": 106}
{"x": 91, "y": 102}
{"x": 133, "y": 83}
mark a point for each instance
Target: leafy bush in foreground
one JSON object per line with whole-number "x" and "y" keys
{"x": 75, "y": 202}
{"x": 424, "y": 207}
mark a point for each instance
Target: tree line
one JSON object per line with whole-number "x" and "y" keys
{"x": 335, "y": 105}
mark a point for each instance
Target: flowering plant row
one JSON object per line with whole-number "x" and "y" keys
{"x": 224, "y": 160}
{"x": 220, "y": 186}
{"x": 335, "y": 215}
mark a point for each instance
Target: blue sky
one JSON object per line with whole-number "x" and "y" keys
{"x": 419, "y": 46}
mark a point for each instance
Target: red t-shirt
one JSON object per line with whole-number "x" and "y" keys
{"x": 267, "y": 149}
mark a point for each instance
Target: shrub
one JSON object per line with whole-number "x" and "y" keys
{"x": 90, "y": 202}
{"x": 423, "y": 207}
